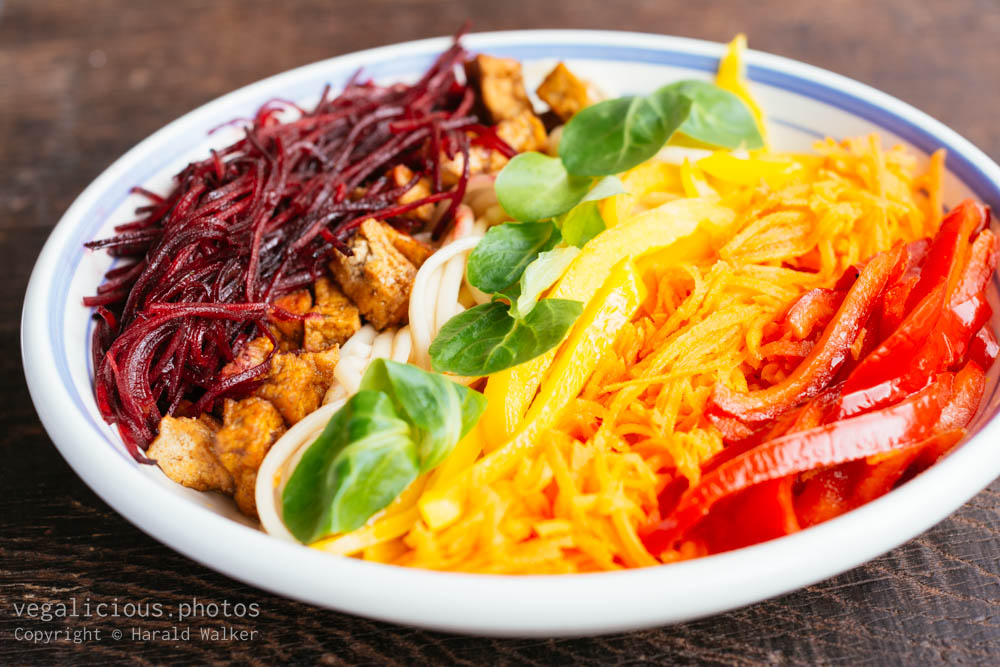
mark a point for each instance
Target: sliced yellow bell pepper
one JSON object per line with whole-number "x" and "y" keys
{"x": 694, "y": 181}
{"x": 613, "y": 305}
{"x": 731, "y": 77}
{"x": 640, "y": 181}
{"x": 509, "y": 392}
{"x": 465, "y": 453}
{"x": 506, "y": 397}
{"x": 385, "y": 552}
{"x": 384, "y": 529}
{"x": 714, "y": 228}
{"x": 773, "y": 170}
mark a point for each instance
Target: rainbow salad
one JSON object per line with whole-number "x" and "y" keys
{"x": 438, "y": 326}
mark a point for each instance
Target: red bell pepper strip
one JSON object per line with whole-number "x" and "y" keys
{"x": 848, "y": 277}
{"x": 891, "y": 360}
{"x": 825, "y": 493}
{"x": 732, "y": 430}
{"x": 979, "y": 268}
{"x": 877, "y": 479}
{"x": 916, "y": 253}
{"x": 914, "y": 353}
{"x": 889, "y": 429}
{"x": 813, "y": 309}
{"x": 933, "y": 451}
{"x": 821, "y": 365}
{"x": 956, "y": 329}
{"x": 894, "y": 303}
{"x": 946, "y": 256}
{"x": 816, "y": 412}
{"x": 872, "y": 398}
{"x": 758, "y": 514}
{"x": 984, "y": 348}
{"x": 947, "y": 287}
{"x": 970, "y": 383}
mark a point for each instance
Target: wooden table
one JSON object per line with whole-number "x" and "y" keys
{"x": 81, "y": 82}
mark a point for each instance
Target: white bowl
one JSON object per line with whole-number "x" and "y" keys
{"x": 803, "y": 103}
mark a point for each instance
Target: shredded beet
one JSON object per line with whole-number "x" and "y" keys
{"x": 256, "y": 220}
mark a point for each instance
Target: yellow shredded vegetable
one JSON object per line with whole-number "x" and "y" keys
{"x": 577, "y": 496}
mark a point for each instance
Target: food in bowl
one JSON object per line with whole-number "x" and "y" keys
{"x": 425, "y": 325}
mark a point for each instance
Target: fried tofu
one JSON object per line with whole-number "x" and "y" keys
{"x": 325, "y": 362}
{"x": 481, "y": 161}
{"x": 401, "y": 175}
{"x": 249, "y": 428}
{"x": 252, "y": 354}
{"x": 338, "y": 319}
{"x": 500, "y": 85}
{"x": 413, "y": 250}
{"x": 289, "y": 332}
{"x": 378, "y": 276}
{"x": 525, "y": 132}
{"x": 563, "y": 92}
{"x": 184, "y": 450}
{"x": 297, "y": 382}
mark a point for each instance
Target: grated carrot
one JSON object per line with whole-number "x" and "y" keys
{"x": 564, "y": 479}
{"x": 577, "y": 501}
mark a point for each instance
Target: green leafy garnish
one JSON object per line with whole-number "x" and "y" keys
{"x": 501, "y": 257}
{"x": 718, "y": 117}
{"x": 615, "y": 135}
{"x": 582, "y": 223}
{"x": 541, "y": 274}
{"x": 516, "y": 262}
{"x": 402, "y": 422}
{"x": 534, "y": 187}
{"x": 438, "y": 411}
{"x": 364, "y": 458}
{"x": 487, "y": 339}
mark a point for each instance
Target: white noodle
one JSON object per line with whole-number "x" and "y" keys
{"x": 382, "y": 347}
{"x": 422, "y": 299}
{"x": 447, "y": 296}
{"x": 402, "y": 343}
{"x": 283, "y": 456}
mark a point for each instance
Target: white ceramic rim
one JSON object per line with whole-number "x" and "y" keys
{"x": 502, "y": 605}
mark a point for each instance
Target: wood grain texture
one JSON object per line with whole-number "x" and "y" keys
{"x": 81, "y": 82}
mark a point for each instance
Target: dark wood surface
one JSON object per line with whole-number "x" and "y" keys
{"x": 81, "y": 82}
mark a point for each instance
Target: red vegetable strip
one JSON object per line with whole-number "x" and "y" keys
{"x": 817, "y": 370}
{"x": 871, "y": 398}
{"x": 970, "y": 383}
{"x": 981, "y": 264}
{"x": 812, "y": 309}
{"x": 815, "y": 412}
{"x": 891, "y": 359}
{"x": 876, "y": 480}
{"x": 893, "y": 310}
{"x": 732, "y": 430}
{"x": 946, "y": 255}
{"x": 758, "y": 514}
{"x": 933, "y": 451}
{"x": 825, "y": 493}
{"x": 984, "y": 348}
{"x": 897, "y": 427}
